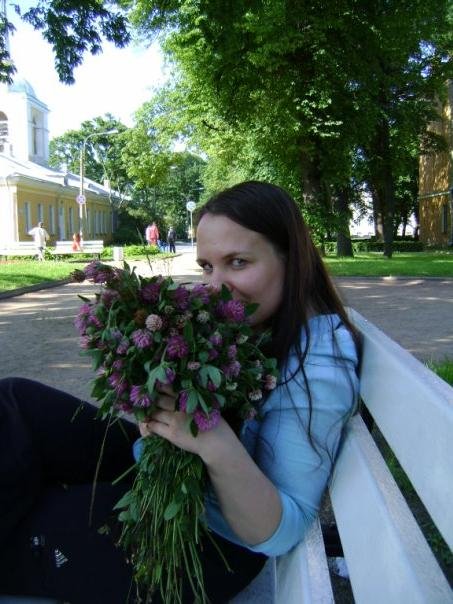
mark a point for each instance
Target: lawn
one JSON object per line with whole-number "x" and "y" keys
{"x": 409, "y": 264}
{"x": 20, "y": 273}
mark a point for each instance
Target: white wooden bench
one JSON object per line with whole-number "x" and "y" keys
{"x": 388, "y": 558}
{"x": 19, "y": 248}
{"x": 94, "y": 247}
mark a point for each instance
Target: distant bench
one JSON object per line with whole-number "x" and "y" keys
{"x": 95, "y": 247}
{"x": 19, "y": 248}
{"x": 388, "y": 558}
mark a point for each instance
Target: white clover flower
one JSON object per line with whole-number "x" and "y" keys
{"x": 270, "y": 382}
{"x": 203, "y": 316}
{"x": 153, "y": 322}
{"x": 180, "y": 321}
{"x": 193, "y": 365}
{"x": 255, "y": 395}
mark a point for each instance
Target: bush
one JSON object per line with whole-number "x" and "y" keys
{"x": 134, "y": 251}
{"x": 370, "y": 245}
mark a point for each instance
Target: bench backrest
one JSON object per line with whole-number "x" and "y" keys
{"x": 388, "y": 558}
{"x": 88, "y": 246}
{"x": 18, "y": 248}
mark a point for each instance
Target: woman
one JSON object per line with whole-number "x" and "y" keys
{"x": 265, "y": 486}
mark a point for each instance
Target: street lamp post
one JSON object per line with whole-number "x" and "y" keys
{"x": 190, "y": 207}
{"x": 81, "y": 199}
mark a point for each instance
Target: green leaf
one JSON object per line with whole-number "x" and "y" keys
{"x": 188, "y": 331}
{"x": 140, "y": 414}
{"x": 158, "y": 373}
{"x": 171, "y": 510}
{"x": 203, "y": 357}
{"x": 202, "y": 403}
{"x": 250, "y": 308}
{"x": 192, "y": 401}
{"x": 125, "y": 501}
{"x": 203, "y": 375}
{"x": 193, "y": 428}
{"x": 221, "y": 399}
{"x": 215, "y": 375}
{"x": 225, "y": 293}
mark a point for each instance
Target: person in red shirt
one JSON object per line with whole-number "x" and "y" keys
{"x": 152, "y": 234}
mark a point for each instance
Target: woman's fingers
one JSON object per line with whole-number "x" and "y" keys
{"x": 166, "y": 402}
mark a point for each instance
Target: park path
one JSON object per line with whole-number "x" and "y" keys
{"x": 38, "y": 340}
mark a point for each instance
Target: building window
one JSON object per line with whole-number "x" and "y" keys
{"x": 444, "y": 219}
{"x": 51, "y": 219}
{"x": 27, "y": 216}
{"x": 40, "y": 213}
{"x": 3, "y": 132}
{"x": 71, "y": 220}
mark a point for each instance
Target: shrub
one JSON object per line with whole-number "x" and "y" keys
{"x": 370, "y": 245}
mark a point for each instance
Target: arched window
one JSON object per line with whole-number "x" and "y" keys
{"x": 3, "y": 131}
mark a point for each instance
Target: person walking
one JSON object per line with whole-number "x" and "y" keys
{"x": 171, "y": 238}
{"x": 152, "y": 234}
{"x": 40, "y": 236}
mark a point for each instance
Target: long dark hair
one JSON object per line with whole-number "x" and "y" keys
{"x": 308, "y": 289}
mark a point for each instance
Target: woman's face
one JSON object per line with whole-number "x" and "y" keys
{"x": 244, "y": 261}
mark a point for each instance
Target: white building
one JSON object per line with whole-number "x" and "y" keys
{"x": 30, "y": 191}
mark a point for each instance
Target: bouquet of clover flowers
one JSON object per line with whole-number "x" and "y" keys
{"x": 141, "y": 333}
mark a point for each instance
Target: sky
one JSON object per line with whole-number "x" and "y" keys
{"x": 117, "y": 81}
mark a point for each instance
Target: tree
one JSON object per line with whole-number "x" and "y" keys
{"x": 296, "y": 90}
{"x": 102, "y": 157}
{"x": 311, "y": 84}
{"x": 72, "y": 29}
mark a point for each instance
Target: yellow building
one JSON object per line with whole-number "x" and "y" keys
{"x": 436, "y": 183}
{"x": 30, "y": 191}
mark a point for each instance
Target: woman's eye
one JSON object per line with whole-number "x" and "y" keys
{"x": 238, "y": 262}
{"x": 206, "y": 268}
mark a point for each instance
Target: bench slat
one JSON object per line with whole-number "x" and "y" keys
{"x": 413, "y": 409}
{"x": 386, "y": 553}
{"x": 19, "y": 248}
{"x": 302, "y": 574}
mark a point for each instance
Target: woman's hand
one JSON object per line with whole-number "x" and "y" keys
{"x": 173, "y": 425}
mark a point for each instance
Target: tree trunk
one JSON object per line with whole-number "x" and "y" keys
{"x": 344, "y": 243}
{"x": 377, "y": 215}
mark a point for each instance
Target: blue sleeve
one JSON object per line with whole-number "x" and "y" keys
{"x": 137, "y": 449}
{"x": 280, "y": 445}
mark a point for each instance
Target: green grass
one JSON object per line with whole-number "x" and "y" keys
{"x": 409, "y": 264}
{"x": 444, "y": 369}
{"x": 22, "y": 273}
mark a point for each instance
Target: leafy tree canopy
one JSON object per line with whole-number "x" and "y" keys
{"x": 72, "y": 29}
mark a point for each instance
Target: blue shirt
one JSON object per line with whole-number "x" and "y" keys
{"x": 278, "y": 441}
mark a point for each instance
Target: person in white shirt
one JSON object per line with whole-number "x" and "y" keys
{"x": 41, "y": 236}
